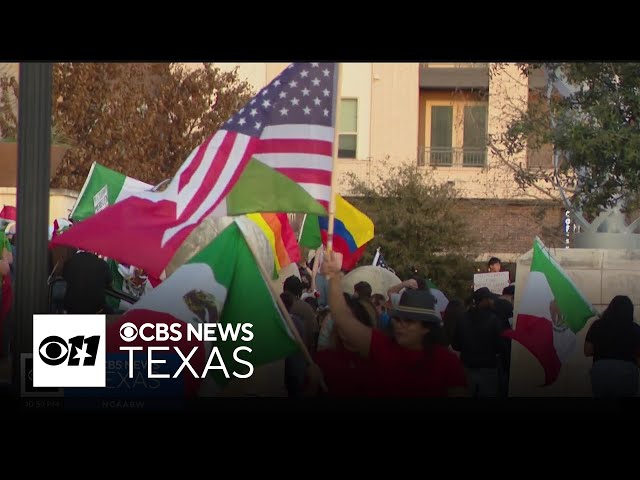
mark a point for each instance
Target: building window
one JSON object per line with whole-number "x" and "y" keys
{"x": 348, "y": 128}
{"x": 474, "y": 140}
{"x": 455, "y": 133}
{"x": 441, "y": 135}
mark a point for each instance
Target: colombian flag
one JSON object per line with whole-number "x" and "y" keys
{"x": 352, "y": 230}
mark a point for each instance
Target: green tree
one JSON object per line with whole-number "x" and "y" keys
{"x": 140, "y": 119}
{"x": 595, "y": 128}
{"x": 416, "y": 226}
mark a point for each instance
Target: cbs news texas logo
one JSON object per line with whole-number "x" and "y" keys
{"x": 69, "y": 351}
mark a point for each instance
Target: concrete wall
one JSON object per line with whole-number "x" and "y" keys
{"x": 600, "y": 275}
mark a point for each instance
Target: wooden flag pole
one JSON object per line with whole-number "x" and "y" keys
{"x": 285, "y": 313}
{"x": 336, "y": 136}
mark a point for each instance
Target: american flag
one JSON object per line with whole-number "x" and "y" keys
{"x": 288, "y": 125}
{"x": 378, "y": 261}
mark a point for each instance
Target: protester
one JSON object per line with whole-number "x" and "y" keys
{"x": 494, "y": 265}
{"x": 454, "y": 311}
{"x": 508, "y": 293}
{"x": 295, "y": 365}
{"x": 614, "y": 343}
{"x": 384, "y": 320}
{"x": 87, "y": 277}
{"x": 362, "y": 290}
{"x": 345, "y": 371}
{"x": 478, "y": 338}
{"x": 409, "y": 363}
{"x": 294, "y": 286}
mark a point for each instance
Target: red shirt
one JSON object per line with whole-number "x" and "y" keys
{"x": 401, "y": 372}
{"x": 347, "y": 374}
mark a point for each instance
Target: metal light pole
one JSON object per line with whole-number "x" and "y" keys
{"x": 34, "y": 165}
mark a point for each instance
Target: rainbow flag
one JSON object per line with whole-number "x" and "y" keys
{"x": 280, "y": 235}
{"x": 352, "y": 230}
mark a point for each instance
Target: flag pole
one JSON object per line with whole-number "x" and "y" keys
{"x": 376, "y": 257}
{"x": 285, "y": 312}
{"x": 336, "y": 136}
{"x": 304, "y": 219}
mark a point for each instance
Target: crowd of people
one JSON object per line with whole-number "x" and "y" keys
{"x": 365, "y": 343}
{"x": 397, "y": 344}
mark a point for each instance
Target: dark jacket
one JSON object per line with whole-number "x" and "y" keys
{"x": 477, "y": 337}
{"x": 87, "y": 276}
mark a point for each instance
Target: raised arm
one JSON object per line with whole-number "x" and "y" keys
{"x": 411, "y": 283}
{"x": 357, "y": 334}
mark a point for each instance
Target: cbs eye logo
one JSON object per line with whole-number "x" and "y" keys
{"x": 128, "y": 332}
{"x": 78, "y": 351}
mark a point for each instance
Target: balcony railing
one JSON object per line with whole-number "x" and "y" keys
{"x": 452, "y": 157}
{"x": 454, "y": 65}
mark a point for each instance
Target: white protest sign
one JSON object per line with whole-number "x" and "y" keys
{"x": 101, "y": 199}
{"x": 495, "y": 282}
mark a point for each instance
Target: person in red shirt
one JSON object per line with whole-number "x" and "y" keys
{"x": 345, "y": 371}
{"x": 411, "y": 363}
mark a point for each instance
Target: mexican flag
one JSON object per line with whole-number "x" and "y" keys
{"x": 221, "y": 284}
{"x": 119, "y": 276}
{"x": 551, "y": 311}
{"x": 104, "y": 187}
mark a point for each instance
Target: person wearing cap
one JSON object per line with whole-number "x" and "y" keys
{"x": 478, "y": 338}
{"x": 410, "y": 363}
